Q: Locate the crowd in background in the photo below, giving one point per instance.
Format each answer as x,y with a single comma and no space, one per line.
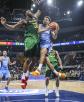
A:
73,66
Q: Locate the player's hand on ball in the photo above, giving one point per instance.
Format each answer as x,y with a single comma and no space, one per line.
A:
53,26
3,20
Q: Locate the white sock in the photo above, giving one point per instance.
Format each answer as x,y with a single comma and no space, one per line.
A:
27,74
46,89
57,92
54,71
57,89
39,67
23,75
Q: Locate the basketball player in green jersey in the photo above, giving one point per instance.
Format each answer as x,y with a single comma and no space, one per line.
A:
54,58
31,37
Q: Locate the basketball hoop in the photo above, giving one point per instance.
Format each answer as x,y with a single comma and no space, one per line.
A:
36,1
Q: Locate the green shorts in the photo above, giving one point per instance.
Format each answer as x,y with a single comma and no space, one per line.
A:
50,74
30,42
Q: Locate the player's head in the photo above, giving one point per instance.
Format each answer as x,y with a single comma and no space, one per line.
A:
29,13
4,53
46,20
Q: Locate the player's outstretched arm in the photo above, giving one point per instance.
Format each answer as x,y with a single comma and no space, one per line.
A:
11,27
12,63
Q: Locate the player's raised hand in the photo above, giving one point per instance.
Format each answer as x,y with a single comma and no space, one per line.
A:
14,62
3,20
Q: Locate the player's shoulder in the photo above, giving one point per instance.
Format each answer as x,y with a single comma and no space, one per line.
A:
56,51
1,57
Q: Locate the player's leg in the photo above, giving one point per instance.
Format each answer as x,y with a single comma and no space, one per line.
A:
47,78
57,87
46,86
26,69
8,78
28,54
43,53
51,66
1,75
31,44
25,74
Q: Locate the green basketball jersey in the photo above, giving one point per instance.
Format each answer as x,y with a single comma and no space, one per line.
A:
31,29
53,59
31,35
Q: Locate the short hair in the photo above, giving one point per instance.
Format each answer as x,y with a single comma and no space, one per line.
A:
4,50
48,18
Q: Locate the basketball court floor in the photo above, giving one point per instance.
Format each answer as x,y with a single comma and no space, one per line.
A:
70,91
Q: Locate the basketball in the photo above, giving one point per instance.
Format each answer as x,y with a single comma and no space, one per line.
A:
62,75
53,25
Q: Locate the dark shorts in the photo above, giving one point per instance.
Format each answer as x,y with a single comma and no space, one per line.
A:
34,52
50,74
30,42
